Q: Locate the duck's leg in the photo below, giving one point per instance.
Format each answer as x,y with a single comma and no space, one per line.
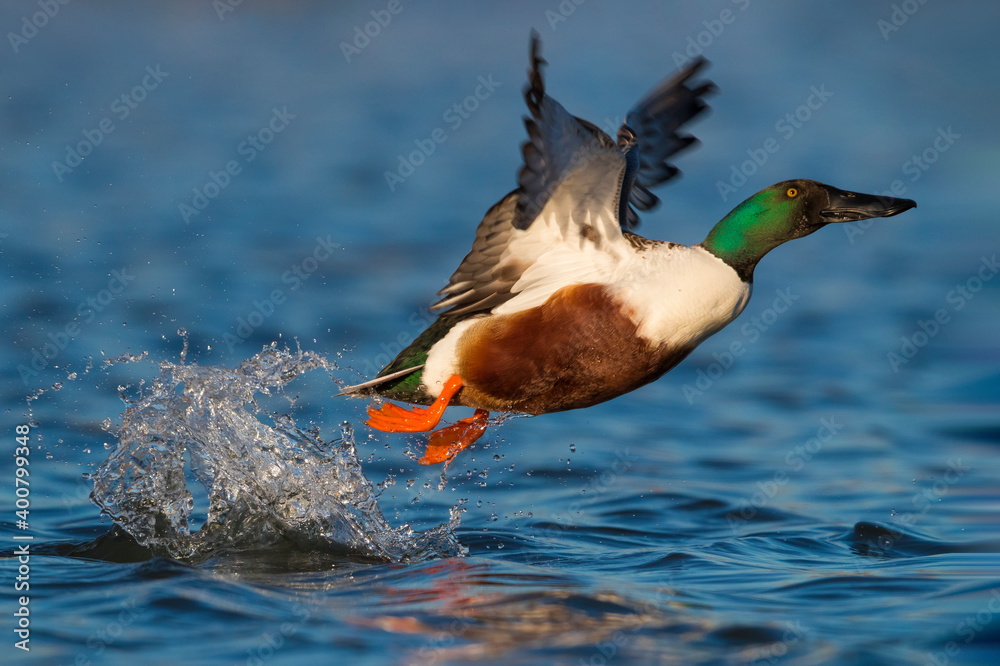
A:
446,443
391,418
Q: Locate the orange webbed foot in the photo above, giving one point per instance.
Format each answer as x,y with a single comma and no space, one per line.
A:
392,418
446,443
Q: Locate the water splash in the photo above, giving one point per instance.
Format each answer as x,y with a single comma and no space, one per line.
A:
260,483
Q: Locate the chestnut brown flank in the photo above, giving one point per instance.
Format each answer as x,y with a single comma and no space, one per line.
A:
575,350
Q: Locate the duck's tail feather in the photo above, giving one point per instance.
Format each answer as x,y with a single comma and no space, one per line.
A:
358,388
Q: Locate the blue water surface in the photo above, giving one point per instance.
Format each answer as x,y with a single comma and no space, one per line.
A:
186,184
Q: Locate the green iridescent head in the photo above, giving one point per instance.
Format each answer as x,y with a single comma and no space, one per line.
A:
788,210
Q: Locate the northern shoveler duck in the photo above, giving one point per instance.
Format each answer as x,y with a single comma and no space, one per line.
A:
559,305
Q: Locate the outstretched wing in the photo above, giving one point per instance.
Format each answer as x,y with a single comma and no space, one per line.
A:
566,209
563,154
484,278
656,121
578,189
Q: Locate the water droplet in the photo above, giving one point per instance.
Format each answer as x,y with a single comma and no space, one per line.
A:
572,448
479,503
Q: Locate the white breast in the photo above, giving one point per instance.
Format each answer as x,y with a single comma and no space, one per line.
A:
681,295
678,295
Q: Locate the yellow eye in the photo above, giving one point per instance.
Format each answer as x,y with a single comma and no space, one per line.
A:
792,192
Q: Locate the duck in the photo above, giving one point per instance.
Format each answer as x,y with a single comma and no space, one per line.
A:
559,304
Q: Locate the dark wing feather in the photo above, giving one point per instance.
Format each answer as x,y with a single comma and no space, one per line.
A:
567,160
480,283
656,121
559,146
